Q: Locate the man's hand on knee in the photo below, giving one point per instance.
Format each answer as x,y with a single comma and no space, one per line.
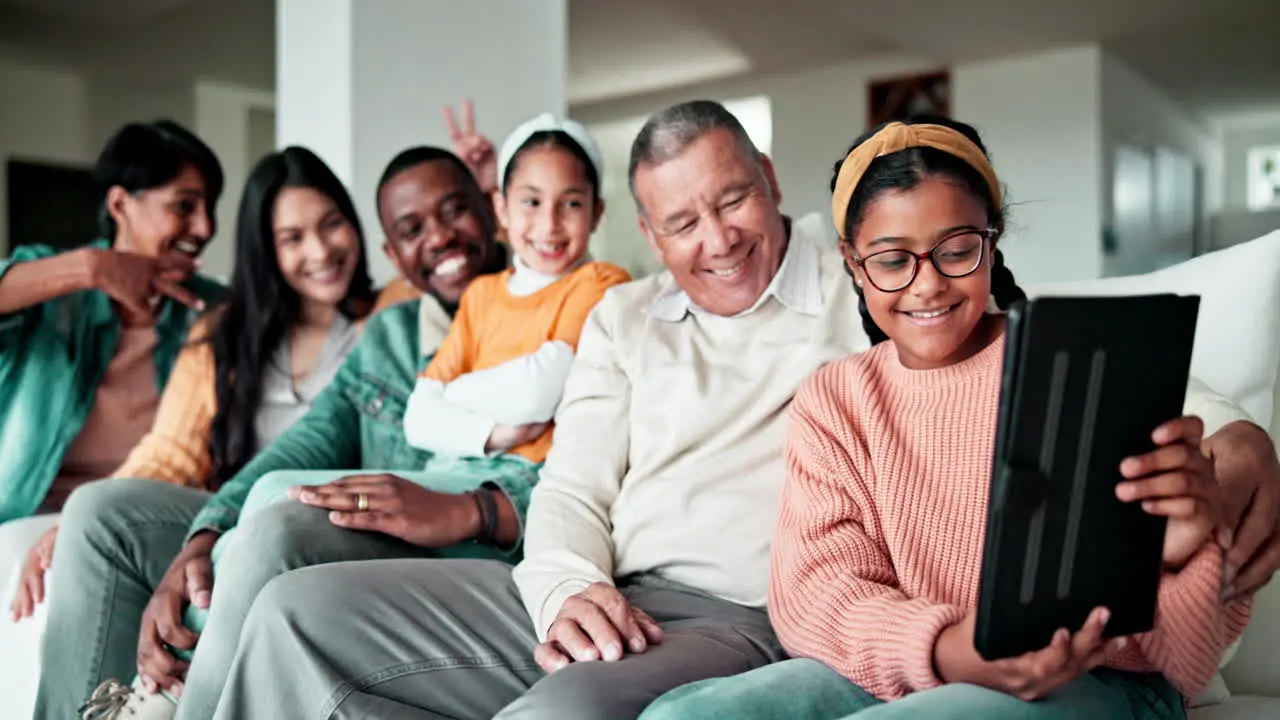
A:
597,623
188,579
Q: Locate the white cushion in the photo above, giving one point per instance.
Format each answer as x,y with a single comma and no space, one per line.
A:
1239,708
1216,692
1254,670
1237,349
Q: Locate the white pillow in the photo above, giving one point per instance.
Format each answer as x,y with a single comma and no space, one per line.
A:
1237,349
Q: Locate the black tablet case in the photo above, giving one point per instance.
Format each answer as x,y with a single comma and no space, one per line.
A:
1085,382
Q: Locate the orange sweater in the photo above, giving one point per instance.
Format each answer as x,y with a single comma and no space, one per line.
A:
493,326
879,540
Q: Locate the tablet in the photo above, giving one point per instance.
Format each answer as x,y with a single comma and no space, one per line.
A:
1085,382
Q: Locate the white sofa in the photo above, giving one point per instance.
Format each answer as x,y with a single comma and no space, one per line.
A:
1238,354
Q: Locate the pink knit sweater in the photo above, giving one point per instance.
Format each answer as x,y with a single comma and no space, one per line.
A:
879,540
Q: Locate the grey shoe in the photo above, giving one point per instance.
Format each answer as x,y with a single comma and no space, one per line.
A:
114,701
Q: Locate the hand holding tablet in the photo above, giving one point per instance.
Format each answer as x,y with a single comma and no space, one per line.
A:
1090,388
1032,675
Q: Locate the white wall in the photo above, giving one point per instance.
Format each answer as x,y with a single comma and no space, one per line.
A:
43,116
1140,117
222,120
817,114
115,100
1236,143
58,115
1051,120
1236,223
359,82
1040,117
321,31
521,72
1138,113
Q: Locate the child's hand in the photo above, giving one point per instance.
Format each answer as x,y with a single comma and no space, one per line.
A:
1030,676
505,437
473,148
31,586
1176,480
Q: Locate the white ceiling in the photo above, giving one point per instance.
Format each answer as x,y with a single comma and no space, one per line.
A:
1217,56
1220,57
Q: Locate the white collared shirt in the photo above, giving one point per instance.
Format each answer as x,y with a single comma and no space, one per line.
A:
797,284
525,281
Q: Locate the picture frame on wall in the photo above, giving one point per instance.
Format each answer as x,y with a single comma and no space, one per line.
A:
900,97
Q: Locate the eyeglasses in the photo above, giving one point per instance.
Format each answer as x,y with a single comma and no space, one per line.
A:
954,256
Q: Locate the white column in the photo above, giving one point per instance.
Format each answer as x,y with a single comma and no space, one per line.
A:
359,81
1040,116
222,120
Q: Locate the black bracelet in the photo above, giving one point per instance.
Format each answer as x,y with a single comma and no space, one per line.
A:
488,508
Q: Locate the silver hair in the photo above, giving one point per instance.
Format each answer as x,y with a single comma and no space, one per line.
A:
666,134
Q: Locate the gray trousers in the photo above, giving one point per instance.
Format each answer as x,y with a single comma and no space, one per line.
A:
399,639
117,538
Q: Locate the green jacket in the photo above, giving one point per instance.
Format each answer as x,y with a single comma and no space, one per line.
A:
357,422
52,357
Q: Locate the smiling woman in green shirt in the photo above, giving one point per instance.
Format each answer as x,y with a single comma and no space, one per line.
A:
88,336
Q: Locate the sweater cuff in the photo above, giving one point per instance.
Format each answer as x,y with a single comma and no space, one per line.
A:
917,639
1190,635
553,602
1186,594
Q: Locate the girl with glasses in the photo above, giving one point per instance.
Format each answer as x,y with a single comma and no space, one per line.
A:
878,549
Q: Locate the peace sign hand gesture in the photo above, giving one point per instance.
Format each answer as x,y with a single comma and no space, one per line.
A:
475,149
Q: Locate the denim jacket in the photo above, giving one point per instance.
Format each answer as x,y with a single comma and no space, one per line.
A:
357,422
52,357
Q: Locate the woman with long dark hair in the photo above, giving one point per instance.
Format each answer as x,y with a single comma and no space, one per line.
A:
300,287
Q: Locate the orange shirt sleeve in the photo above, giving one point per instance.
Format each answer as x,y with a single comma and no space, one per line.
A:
584,298
176,449
456,356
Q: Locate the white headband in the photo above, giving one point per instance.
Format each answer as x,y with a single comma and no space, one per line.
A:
547,122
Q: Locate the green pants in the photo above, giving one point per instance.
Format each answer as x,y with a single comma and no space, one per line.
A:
809,690
432,639
273,488
118,537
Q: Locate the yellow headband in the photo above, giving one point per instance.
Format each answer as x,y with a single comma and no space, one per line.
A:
896,137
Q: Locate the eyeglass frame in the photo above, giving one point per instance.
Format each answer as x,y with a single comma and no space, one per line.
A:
987,236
